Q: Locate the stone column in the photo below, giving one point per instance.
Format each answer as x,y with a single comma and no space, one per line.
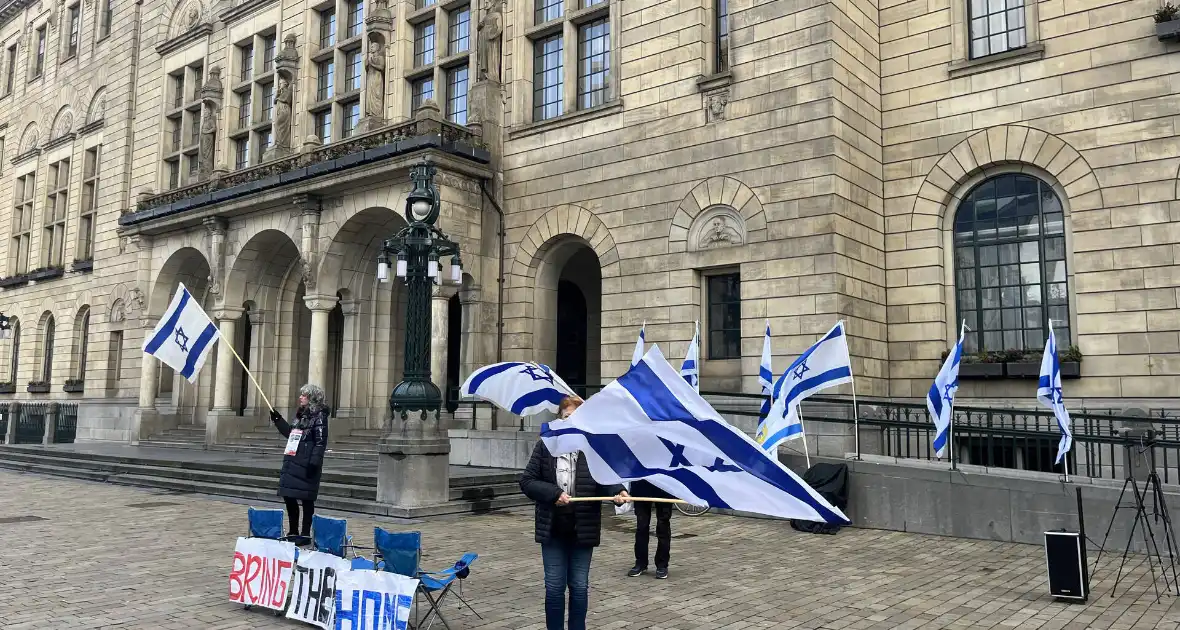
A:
317,363
257,319
350,356
223,388
146,419
439,309
50,428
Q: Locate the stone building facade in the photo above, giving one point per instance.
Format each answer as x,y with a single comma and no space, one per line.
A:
901,166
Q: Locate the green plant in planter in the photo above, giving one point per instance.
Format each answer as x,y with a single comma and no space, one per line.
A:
1072,354
1166,13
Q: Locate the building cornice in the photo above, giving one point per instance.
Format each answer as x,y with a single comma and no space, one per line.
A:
12,8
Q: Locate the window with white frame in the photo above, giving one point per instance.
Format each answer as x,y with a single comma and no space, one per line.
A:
57,203
88,208
182,128
457,95
459,30
442,54
548,80
579,39
74,30
335,111
255,92
39,58
22,223
995,26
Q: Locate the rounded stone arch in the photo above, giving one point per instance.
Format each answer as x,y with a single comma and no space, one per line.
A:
45,344
563,221
119,305
723,200
96,111
258,269
179,17
186,265
350,259
30,139
1011,146
63,122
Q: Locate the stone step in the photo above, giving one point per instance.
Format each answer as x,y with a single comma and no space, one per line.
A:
173,443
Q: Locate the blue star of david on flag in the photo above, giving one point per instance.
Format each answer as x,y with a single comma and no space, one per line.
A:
801,370
181,339
517,387
538,372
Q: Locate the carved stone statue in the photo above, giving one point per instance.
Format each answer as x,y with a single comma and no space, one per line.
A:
283,102
375,79
488,37
211,94
720,233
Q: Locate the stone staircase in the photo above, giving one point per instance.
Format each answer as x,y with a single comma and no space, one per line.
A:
347,485
265,440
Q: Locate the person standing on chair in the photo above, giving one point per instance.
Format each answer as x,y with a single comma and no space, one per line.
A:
303,461
567,532
643,510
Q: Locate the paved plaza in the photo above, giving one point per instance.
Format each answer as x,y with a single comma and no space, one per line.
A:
107,556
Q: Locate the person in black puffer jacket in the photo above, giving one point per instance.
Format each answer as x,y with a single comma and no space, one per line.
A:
299,479
567,532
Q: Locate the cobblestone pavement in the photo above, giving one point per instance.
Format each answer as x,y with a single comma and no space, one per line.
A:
115,557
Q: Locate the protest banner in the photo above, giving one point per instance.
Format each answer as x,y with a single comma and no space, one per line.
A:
313,588
373,600
261,572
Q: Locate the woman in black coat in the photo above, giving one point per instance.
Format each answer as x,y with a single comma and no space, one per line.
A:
568,532
307,439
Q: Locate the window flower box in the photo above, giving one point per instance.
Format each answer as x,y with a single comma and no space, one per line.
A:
74,386
981,370
1167,24
7,388
83,265
38,387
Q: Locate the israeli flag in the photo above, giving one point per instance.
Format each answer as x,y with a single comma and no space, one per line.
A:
650,424
185,335
765,375
637,355
1049,393
940,401
517,387
825,364
690,370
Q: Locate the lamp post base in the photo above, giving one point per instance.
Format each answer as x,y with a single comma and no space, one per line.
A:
413,471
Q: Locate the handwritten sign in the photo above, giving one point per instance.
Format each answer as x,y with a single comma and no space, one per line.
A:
313,587
261,572
373,600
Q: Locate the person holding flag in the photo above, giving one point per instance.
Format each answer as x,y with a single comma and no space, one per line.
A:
940,400
1049,394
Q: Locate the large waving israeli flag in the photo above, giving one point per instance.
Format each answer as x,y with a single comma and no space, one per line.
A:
823,365
1049,393
940,400
650,424
637,354
690,370
184,336
517,387
765,375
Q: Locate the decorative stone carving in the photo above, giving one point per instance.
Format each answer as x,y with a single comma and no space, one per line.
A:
715,103
211,94
719,226
488,39
118,312
63,124
29,140
216,227
375,78
458,183
136,300
98,106
192,16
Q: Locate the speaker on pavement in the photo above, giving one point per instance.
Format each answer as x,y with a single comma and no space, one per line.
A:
1065,556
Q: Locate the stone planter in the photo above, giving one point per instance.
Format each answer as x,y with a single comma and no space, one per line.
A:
1022,370
1167,31
74,386
981,370
38,387
1071,369
7,388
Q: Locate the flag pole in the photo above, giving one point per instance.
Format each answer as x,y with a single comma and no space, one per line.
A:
803,432
630,499
248,373
950,427
855,407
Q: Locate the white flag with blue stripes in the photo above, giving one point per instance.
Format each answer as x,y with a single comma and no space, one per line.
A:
690,370
185,335
765,375
940,400
825,364
517,387
650,424
637,354
1049,393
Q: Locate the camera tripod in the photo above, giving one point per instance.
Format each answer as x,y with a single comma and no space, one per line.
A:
1159,513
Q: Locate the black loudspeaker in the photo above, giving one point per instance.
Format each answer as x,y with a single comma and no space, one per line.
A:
1065,555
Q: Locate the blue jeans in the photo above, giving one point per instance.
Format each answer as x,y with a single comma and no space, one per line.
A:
566,565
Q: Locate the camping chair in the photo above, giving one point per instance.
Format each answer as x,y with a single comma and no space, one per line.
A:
330,535
401,552
266,523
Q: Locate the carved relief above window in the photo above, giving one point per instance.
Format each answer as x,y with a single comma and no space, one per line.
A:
719,226
717,213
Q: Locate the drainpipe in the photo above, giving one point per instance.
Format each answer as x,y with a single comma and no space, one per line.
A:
499,288
129,137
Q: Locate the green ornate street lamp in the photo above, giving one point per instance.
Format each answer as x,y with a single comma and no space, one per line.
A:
416,250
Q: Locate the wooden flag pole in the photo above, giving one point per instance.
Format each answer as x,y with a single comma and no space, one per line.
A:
248,373
649,499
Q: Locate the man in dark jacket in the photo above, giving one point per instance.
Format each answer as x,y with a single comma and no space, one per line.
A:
567,531
643,510
307,440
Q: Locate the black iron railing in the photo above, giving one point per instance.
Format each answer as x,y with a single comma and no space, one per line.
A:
30,423
66,428
4,413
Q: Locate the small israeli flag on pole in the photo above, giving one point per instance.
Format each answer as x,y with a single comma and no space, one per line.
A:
940,400
637,355
765,375
185,335
1049,394
691,368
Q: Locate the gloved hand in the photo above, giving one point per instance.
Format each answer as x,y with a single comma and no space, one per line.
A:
275,416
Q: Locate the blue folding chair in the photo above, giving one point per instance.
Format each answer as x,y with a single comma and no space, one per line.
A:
330,535
401,553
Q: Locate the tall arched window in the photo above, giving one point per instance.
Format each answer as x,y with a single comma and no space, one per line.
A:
15,363
47,356
1010,265
83,343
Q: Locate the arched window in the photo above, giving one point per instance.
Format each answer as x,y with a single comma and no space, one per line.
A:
15,362
1010,265
47,355
83,343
